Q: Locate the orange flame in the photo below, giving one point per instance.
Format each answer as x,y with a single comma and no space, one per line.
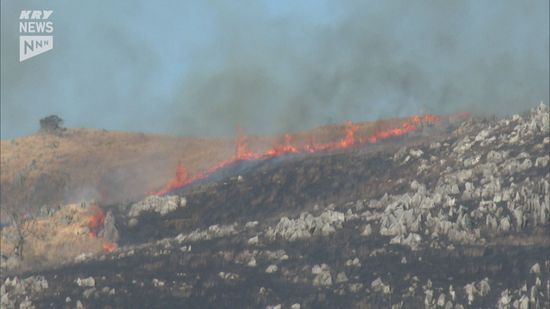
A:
310,147
408,126
95,221
108,247
179,180
348,139
281,149
244,153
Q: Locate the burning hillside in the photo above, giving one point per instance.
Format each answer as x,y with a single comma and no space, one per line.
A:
275,154
46,170
286,146
447,212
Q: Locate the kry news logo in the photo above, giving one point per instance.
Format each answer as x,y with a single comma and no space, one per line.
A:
33,25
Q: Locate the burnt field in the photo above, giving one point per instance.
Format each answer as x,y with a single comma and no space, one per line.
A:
268,189
453,217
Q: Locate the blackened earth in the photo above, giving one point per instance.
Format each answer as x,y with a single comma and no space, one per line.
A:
433,219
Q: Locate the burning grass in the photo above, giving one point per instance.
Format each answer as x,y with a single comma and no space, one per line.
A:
67,233
349,139
95,222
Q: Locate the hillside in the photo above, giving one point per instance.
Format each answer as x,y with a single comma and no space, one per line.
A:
112,167
47,169
453,216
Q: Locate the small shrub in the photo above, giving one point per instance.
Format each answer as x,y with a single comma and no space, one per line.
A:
52,124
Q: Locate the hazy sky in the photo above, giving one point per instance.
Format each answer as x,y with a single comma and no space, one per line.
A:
203,67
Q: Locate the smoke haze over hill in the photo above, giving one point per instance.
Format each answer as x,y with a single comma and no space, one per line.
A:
202,68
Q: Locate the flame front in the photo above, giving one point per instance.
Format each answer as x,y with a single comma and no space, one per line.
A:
281,149
108,247
95,222
244,153
178,181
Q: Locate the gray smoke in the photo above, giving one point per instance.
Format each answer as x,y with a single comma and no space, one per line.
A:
286,67
372,61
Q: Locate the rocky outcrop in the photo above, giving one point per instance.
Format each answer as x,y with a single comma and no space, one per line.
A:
159,204
307,226
109,230
457,222
16,291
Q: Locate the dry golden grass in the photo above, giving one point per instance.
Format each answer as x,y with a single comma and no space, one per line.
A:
106,165
112,167
50,240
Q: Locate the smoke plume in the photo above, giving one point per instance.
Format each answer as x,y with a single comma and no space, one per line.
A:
203,68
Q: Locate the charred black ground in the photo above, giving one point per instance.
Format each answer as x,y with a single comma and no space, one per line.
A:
263,190
433,219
